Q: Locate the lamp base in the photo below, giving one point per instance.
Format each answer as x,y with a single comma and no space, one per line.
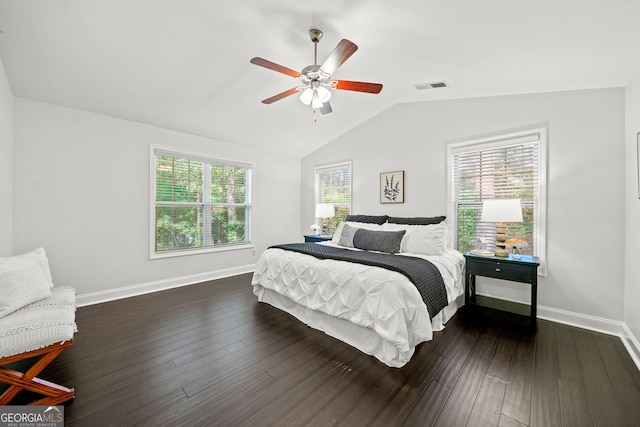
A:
325,225
501,252
501,240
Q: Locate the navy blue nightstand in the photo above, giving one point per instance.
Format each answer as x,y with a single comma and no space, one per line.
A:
317,238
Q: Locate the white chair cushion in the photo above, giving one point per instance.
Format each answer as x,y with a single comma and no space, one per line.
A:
39,324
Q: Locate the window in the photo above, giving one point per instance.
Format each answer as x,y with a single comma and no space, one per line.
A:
507,167
333,185
198,204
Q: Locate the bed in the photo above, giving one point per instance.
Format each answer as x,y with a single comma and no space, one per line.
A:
381,310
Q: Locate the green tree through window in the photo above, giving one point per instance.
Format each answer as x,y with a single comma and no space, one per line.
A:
200,203
333,185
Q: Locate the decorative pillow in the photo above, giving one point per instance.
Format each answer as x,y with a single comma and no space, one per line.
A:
421,220
365,225
346,236
422,239
37,255
22,282
373,219
382,241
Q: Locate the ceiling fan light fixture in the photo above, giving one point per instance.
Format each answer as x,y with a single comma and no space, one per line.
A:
323,93
316,102
306,96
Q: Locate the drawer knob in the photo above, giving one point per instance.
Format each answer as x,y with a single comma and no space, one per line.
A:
498,270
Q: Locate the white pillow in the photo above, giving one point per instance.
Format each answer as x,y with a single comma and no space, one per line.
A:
21,282
422,239
338,232
37,255
365,225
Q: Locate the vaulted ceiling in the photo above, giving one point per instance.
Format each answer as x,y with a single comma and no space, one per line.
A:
184,64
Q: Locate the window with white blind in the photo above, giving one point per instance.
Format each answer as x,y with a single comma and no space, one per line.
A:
507,167
333,185
198,204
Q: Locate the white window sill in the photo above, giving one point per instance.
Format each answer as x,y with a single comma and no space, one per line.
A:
185,252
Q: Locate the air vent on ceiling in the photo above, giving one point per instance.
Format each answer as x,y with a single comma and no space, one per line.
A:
430,85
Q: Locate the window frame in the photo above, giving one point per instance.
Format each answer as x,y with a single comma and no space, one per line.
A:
179,153
316,194
498,141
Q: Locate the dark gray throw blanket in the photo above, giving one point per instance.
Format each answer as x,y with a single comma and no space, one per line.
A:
423,274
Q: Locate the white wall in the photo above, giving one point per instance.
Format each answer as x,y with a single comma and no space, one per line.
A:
6,169
586,146
81,190
632,210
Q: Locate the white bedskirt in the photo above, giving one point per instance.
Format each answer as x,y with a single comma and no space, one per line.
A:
378,311
364,339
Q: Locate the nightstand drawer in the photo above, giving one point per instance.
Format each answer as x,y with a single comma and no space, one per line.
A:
500,270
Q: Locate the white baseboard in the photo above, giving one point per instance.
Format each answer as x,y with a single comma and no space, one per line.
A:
160,285
584,321
632,345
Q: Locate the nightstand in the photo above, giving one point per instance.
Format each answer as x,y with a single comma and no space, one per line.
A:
523,270
317,237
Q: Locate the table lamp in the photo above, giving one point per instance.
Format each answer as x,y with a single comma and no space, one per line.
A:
325,211
501,211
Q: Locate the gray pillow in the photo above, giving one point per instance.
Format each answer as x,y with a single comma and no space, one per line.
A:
382,241
422,220
371,219
346,236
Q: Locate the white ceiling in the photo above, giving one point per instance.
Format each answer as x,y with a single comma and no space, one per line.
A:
184,64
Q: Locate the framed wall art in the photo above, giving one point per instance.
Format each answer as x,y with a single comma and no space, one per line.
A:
392,187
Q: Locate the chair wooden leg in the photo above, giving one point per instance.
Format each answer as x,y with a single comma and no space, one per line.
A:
19,381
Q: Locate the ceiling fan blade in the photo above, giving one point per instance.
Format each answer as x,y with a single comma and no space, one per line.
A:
279,96
356,86
275,67
326,108
338,55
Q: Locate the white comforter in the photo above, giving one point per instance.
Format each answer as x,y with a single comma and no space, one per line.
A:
371,297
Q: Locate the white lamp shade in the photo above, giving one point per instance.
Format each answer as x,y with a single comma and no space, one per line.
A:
316,102
323,93
306,95
325,210
501,210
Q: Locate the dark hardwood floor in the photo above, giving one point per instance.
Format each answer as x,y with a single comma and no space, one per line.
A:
210,354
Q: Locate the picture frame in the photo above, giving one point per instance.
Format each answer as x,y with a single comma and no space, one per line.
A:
392,187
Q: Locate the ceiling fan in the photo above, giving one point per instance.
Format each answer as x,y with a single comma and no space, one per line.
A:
316,79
